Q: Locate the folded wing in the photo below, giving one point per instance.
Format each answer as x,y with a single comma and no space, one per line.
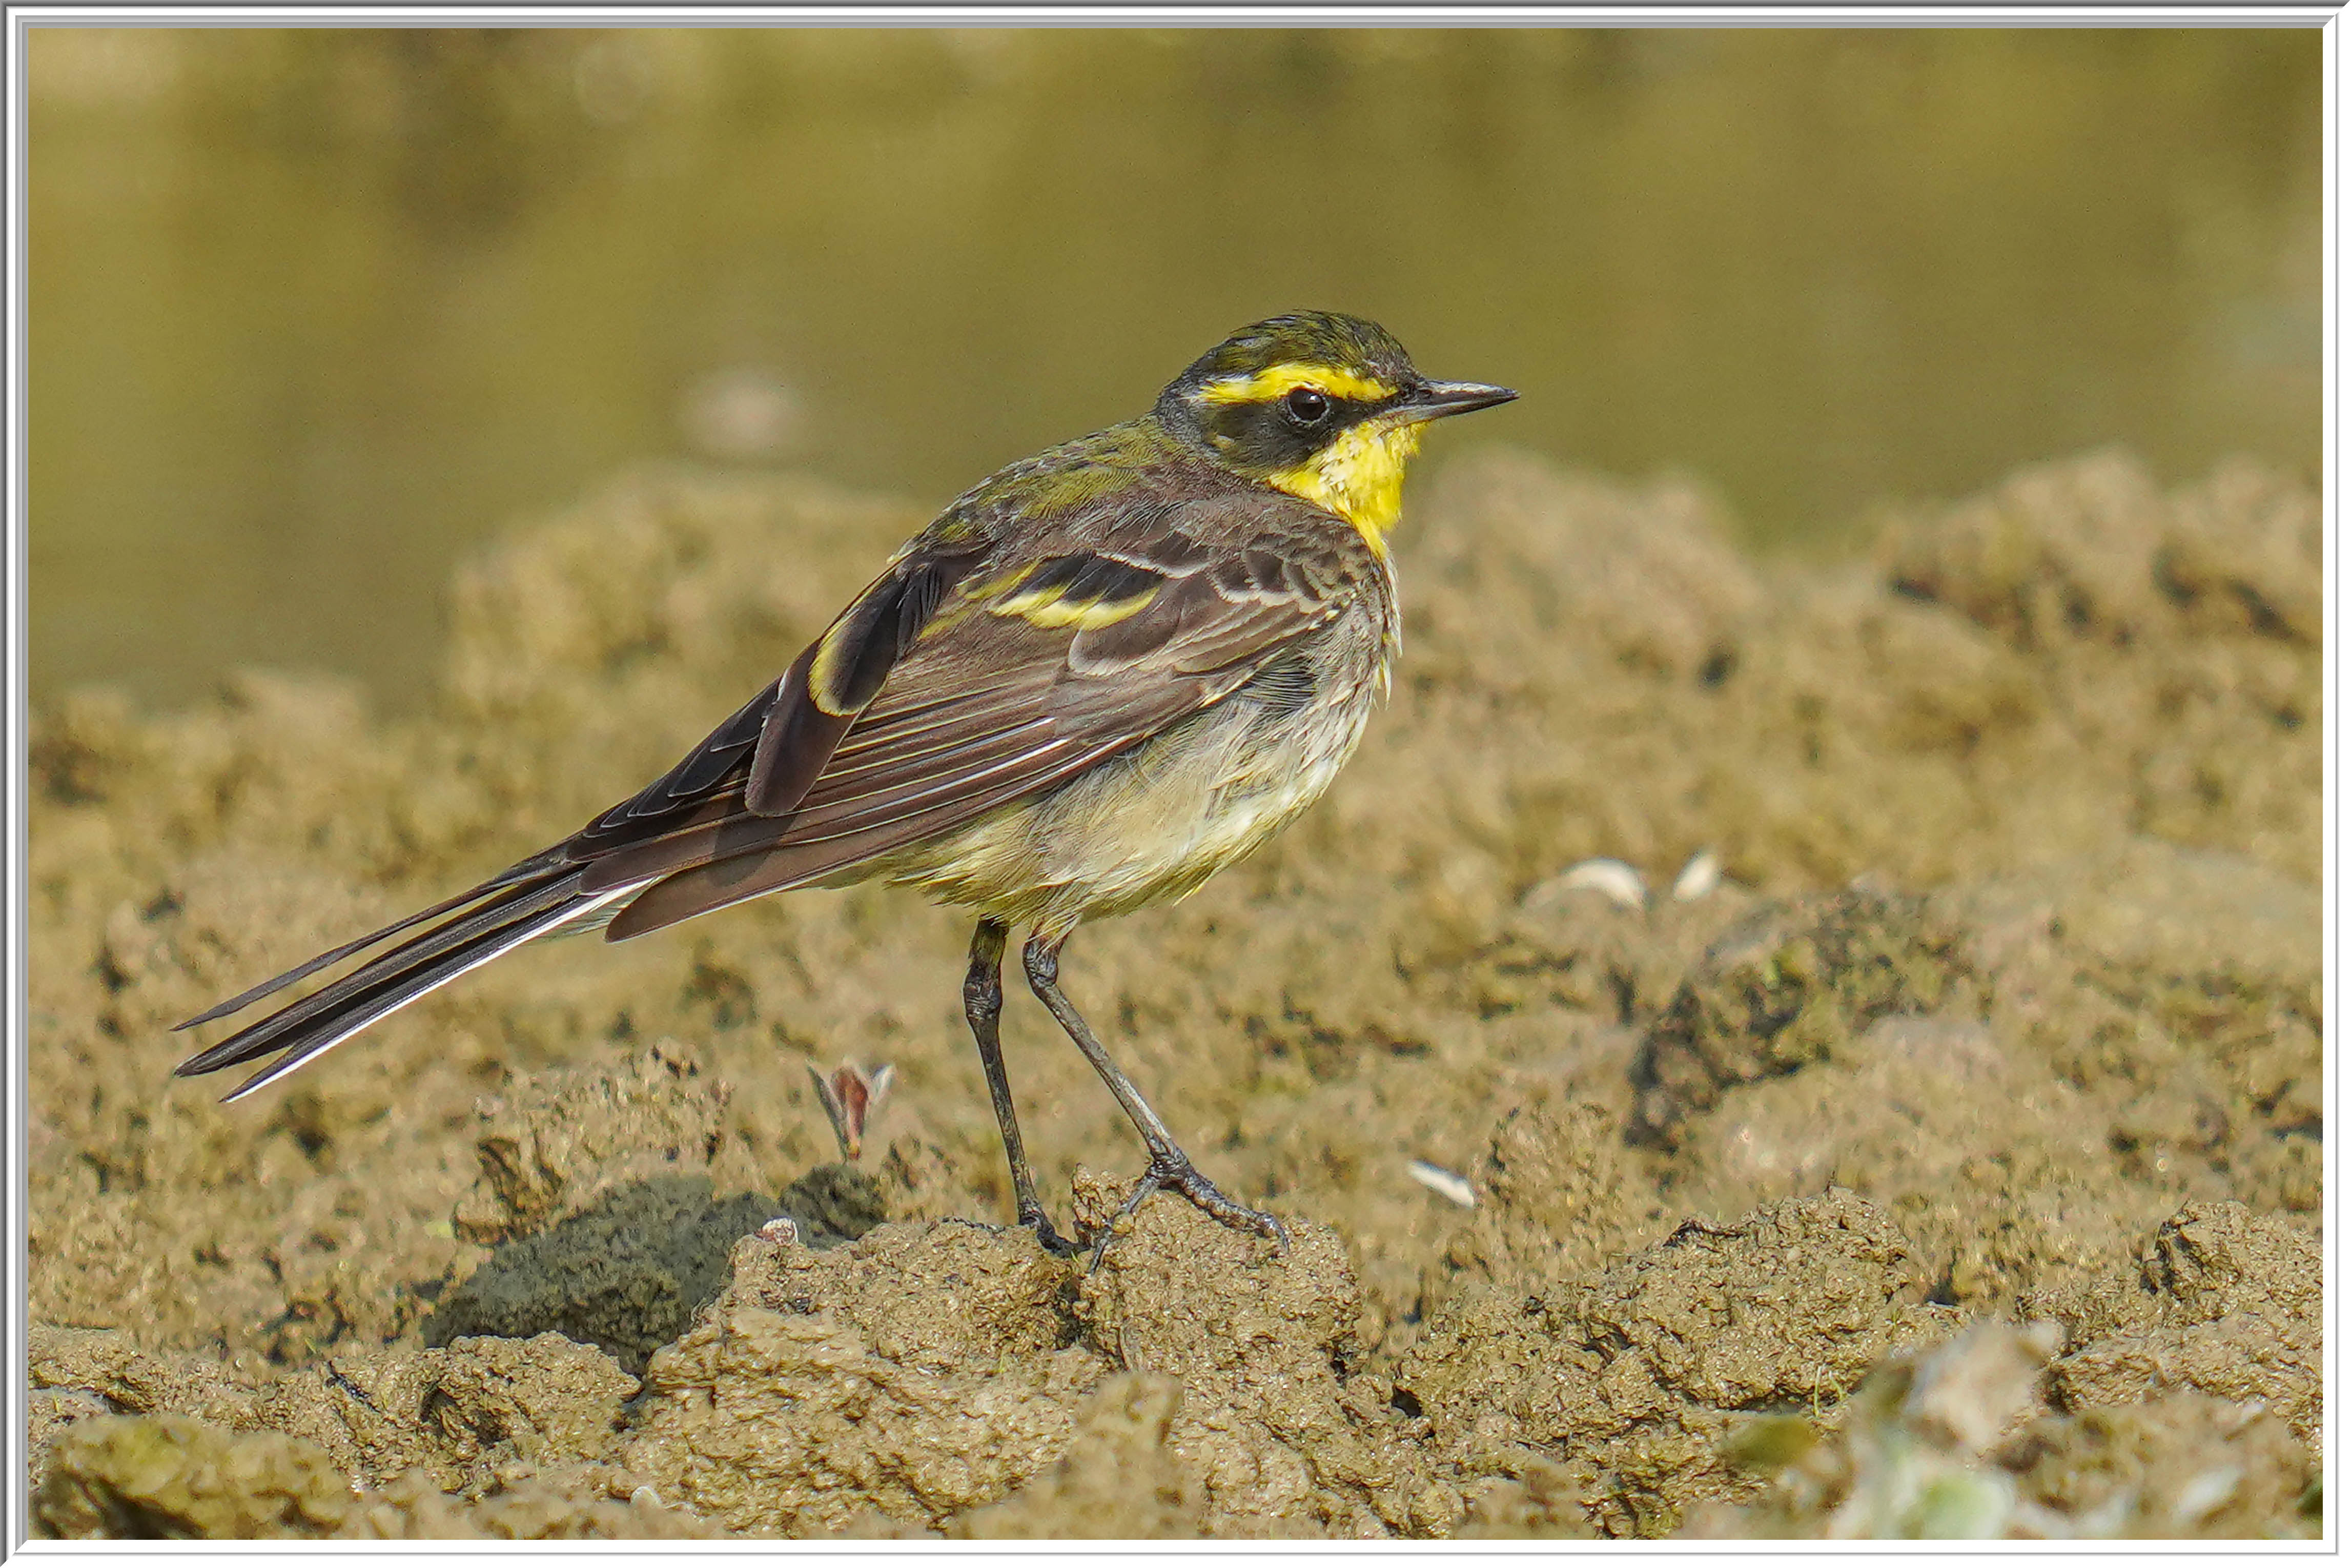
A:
1018,686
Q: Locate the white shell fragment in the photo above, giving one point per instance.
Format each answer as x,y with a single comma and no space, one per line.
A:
1443,1183
2201,1495
1612,878
1700,877
782,1230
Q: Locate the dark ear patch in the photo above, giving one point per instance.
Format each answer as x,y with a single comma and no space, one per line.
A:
1262,437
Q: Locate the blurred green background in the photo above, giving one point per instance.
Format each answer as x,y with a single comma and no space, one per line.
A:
314,312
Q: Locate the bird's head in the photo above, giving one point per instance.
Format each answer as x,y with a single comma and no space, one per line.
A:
1327,407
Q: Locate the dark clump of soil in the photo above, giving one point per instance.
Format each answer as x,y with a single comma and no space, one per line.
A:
624,1276
1788,988
1919,1132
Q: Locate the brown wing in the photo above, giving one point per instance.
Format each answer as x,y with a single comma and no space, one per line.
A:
1023,680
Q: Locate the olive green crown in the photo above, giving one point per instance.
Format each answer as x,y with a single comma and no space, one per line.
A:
1301,337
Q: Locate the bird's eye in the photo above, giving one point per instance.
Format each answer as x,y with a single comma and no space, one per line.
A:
1307,406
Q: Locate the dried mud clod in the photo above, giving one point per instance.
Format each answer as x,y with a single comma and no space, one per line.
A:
1120,1479
1631,1378
1957,1443
494,1438
2180,1464
2180,989
2180,1401
168,1476
1288,1435
144,1477
2226,1302
1561,1195
552,1147
467,1416
597,1189
890,1384
1789,986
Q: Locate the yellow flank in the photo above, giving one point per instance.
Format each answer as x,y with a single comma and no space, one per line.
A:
1360,475
1265,385
1048,609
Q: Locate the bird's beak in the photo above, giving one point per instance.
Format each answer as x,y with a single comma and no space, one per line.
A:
1435,400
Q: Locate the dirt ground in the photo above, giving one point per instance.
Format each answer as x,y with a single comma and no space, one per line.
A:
1949,1165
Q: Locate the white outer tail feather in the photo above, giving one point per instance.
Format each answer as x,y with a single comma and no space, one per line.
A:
555,924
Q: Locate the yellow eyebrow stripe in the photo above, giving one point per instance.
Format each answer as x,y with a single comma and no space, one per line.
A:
1265,385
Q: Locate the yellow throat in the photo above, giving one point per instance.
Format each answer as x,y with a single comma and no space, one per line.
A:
1360,477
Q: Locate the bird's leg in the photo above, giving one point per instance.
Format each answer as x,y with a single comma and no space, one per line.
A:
983,1003
1170,1167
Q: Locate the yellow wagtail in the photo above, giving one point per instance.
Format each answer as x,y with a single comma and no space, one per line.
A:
1102,674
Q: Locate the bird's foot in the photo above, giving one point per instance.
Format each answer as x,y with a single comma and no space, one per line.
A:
1175,1173
1050,1239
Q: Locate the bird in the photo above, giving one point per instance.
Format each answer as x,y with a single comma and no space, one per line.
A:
1097,677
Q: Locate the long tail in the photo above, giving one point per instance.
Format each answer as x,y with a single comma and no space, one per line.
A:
534,899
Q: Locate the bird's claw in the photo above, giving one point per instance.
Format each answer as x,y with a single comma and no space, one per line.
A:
1050,1239
1178,1174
